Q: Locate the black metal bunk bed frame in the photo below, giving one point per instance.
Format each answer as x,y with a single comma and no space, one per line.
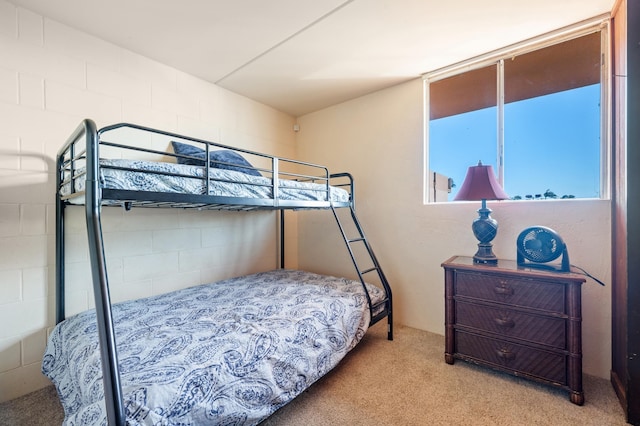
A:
83,146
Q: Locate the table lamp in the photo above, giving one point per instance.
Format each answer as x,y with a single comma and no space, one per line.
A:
481,184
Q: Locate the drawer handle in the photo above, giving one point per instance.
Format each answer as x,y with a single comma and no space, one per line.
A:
504,290
506,354
504,322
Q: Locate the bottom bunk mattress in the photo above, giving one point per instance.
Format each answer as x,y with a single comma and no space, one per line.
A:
230,352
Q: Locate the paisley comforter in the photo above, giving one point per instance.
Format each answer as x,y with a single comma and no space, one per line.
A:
180,178
230,353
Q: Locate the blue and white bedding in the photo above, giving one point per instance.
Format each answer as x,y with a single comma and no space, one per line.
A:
186,179
230,353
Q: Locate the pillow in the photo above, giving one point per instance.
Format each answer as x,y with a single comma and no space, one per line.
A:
223,155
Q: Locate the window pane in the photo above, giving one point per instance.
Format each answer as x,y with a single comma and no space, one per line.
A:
457,142
462,128
552,120
551,125
552,143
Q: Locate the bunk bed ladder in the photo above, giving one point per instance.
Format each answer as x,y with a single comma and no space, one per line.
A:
374,268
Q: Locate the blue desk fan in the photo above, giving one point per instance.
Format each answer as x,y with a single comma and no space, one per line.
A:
538,246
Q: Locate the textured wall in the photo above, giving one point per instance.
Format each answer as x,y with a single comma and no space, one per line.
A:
378,138
51,77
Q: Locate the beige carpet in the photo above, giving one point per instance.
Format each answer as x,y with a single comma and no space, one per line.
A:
403,382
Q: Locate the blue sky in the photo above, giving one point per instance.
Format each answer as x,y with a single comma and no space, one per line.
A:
551,142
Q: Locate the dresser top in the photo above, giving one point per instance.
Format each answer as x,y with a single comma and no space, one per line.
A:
511,267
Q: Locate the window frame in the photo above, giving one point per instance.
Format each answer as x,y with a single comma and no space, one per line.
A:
597,24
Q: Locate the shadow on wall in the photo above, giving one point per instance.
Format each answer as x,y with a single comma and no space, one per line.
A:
27,194
26,178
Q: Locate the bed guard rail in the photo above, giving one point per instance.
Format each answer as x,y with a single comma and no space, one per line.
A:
280,173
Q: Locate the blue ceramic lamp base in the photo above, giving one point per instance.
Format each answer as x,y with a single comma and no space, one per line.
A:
485,228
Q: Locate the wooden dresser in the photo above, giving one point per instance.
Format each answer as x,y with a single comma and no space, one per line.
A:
524,321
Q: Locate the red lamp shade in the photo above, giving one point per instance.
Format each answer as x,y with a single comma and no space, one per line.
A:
480,184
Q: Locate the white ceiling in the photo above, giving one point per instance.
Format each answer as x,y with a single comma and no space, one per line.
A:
303,55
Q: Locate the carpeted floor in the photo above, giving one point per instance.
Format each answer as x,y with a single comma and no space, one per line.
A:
403,382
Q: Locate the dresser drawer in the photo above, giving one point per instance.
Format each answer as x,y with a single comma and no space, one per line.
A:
514,291
509,356
512,323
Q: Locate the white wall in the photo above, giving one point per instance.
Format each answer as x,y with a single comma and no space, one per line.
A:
378,138
52,77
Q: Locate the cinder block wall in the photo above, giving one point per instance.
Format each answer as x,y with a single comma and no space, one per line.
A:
52,77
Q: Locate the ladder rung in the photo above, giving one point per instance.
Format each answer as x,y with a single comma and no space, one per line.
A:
382,302
356,240
369,270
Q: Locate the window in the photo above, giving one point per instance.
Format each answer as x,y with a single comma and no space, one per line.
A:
534,113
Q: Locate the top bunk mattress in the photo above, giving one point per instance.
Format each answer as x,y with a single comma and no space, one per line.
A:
173,178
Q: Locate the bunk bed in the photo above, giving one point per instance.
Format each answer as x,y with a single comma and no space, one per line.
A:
230,352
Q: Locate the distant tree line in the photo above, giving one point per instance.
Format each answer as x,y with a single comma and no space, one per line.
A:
546,195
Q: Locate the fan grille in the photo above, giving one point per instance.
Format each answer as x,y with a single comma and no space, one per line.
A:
540,244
